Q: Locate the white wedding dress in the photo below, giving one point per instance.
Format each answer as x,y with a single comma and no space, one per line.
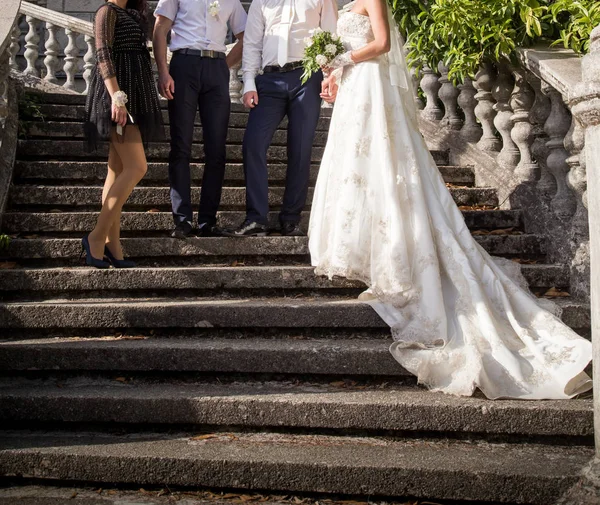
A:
382,214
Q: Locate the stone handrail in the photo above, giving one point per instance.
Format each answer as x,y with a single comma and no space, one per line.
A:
8,102
41,20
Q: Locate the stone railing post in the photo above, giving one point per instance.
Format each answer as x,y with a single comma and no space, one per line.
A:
484,81
430,84
471,130
557,126
502,93
448,94
585,106
521,102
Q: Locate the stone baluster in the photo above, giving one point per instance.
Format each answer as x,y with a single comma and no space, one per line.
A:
538,115
430,85
71,56
415,82
471,130
557,126
88,61
235,84
502,92
448,94
577,178
51,60
484,81
32,40
521,102
15,45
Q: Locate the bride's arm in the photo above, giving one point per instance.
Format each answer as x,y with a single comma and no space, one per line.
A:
377,10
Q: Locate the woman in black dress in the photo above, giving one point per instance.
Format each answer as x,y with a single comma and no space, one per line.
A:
122,107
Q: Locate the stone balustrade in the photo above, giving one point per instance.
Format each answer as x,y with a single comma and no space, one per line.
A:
8,102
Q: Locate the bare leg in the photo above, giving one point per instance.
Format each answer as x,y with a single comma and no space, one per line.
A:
133,158
115,168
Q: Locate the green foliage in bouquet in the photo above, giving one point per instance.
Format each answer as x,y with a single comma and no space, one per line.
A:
575,21
320,50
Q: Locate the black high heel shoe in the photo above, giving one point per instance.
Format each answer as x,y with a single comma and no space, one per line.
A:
89,259
118,263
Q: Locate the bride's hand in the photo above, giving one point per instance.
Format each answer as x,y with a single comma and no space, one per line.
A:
329,89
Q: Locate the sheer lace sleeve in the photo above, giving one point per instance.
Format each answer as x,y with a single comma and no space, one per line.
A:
106,20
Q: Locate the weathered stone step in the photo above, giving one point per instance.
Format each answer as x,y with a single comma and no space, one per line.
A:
74,196
25,222
318,312
95,172
301,463
73,150
285,354
71,130
362,406
237,119
208,278
160,248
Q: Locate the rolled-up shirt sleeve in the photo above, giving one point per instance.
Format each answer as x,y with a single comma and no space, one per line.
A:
238,18
329,16
167,8
253,45
104,29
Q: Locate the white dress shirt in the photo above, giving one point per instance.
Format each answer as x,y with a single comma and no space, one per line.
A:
195,28
262,35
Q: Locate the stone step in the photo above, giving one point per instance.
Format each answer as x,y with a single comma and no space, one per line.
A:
435,469
159,197
237,119
255,312
71,130
26,222
223,352
208,278
73,150
340,405
95,172
154,251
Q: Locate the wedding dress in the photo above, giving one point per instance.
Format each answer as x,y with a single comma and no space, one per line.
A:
382,214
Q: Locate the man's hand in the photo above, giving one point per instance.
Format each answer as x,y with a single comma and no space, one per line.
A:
329,89
250,99
166,85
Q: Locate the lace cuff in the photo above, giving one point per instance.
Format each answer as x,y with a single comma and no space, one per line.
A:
342,60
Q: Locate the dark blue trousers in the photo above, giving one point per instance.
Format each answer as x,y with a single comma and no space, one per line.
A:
280,95
201,84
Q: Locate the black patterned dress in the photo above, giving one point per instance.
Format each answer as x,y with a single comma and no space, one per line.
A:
122,52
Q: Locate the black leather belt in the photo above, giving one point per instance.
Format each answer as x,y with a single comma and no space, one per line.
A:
288,67
216,55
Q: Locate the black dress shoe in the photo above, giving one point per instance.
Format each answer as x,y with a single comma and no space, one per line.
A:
289,229
183,230
210,230
248,229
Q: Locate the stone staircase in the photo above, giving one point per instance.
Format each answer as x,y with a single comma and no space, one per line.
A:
226,363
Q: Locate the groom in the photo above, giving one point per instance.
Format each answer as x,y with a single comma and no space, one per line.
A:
274,43
197,80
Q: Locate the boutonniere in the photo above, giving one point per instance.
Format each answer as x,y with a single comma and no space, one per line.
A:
214,8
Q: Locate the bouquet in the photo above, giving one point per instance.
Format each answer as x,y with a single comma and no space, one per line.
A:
321,48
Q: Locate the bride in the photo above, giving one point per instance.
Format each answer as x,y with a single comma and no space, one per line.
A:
382,214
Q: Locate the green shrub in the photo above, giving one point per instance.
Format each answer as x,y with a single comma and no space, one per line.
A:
575,21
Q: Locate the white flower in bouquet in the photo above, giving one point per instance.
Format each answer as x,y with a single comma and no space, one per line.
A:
321,59
316,31
331,49
214,8
308,41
